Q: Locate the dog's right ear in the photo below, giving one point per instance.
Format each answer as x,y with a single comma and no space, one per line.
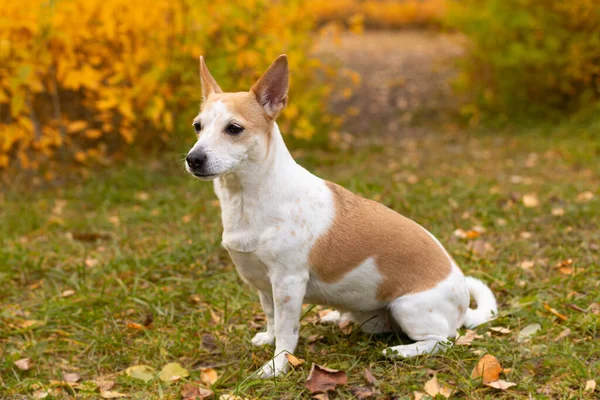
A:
271,90
209,85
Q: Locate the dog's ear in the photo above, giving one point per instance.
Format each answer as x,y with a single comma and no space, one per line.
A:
271,89
209,85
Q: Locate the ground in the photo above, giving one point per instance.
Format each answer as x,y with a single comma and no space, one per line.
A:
127,269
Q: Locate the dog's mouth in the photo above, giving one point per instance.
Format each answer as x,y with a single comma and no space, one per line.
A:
204,176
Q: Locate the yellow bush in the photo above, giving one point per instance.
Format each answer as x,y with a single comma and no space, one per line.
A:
83,79
388,14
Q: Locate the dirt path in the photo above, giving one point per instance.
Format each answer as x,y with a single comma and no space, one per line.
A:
405,79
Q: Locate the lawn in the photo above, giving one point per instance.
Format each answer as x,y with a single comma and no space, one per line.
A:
127,269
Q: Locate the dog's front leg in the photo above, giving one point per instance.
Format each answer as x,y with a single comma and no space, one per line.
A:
288,294
268,337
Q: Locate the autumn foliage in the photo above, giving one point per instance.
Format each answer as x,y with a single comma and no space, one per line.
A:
382,14
82,80
533,57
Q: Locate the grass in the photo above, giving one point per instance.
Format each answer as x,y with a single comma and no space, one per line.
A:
141,243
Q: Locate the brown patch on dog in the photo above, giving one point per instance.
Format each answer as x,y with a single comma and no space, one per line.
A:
407,257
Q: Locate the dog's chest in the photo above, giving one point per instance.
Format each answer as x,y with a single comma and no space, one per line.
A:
251,269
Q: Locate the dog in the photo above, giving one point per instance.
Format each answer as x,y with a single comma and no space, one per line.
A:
297,238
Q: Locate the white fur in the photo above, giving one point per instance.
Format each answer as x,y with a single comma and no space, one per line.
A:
273,211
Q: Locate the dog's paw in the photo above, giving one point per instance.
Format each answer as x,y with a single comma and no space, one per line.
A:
276,367
263,338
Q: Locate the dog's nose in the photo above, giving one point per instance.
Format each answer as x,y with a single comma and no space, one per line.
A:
196,160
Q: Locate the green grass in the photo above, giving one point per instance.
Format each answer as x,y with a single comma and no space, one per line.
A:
162,258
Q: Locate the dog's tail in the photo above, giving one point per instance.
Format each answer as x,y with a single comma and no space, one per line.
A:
487,308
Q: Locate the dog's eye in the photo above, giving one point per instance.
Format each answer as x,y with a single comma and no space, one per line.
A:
234,129
197,127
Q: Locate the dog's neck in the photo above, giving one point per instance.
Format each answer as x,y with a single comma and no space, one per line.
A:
246,196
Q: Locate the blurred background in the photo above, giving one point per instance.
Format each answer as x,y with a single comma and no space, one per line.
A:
83,82
479,119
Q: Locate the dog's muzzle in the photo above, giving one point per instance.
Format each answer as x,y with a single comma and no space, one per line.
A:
196,161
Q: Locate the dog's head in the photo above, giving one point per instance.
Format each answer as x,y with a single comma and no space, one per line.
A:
234,128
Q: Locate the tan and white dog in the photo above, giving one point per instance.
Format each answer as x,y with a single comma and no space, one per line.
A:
298,239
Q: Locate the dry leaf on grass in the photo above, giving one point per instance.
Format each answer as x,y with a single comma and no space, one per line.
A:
500,329
142,372
527,332
500,384
362,392
585,197
531,200
488,368
107,394
526,264
433,388
314,338
104,385
173,372
419,395
563,334
553,311
136,327
558,212
68,293
369,377
346,327
24,364
295,361
71,378
467,338
193,391
322,379
208,376
590,386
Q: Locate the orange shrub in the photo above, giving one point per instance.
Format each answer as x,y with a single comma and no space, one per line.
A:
85,79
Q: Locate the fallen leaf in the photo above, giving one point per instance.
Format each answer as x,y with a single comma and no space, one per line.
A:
362,392
526,265
208,376
369,377
137,327
173,372
24,364
488,368
215,317
196,298
479,247
500,384
322,379
41,394
526,235
193,391
346,327
433,388
553,311
531,200
71,377
590,386
104,385
314,338
107,394
528,331
142,196
467,338
142,372
558,212
500,329
294,360
68,293
459,233
419,395
563,334
89,236
321,396
585,197
90,262
594,308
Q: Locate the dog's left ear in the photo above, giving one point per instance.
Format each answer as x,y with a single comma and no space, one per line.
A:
209,84
271,90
